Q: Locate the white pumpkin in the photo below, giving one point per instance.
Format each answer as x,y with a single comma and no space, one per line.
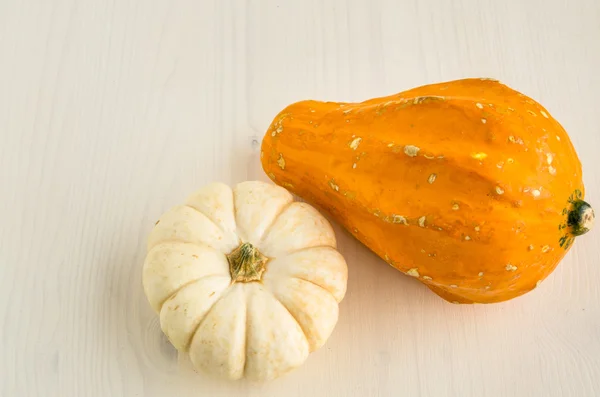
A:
246,280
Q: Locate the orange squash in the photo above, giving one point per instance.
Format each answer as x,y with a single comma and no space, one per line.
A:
469,186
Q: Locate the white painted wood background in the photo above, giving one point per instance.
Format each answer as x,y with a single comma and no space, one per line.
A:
113,111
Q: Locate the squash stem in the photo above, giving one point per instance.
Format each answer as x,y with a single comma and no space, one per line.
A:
246,263
581,218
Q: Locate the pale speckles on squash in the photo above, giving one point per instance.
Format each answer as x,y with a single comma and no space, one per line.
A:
350,195
487,287
271,175
455,207
479,105
347,111
403,104
361,155
558,138
391,144
552,170
426,278
509,160
414,272
288,185
484,121
546,249
355,230
480,274
477,228
515,140
537,283
535,193
333,185
499,190
281,161
453,286
399,219
277,131
422,221
278,125
431,178
531,112
479,156
510,268
354,143
544,114
467,238
549,158
411,150
530,248
429,98
429,157
354,166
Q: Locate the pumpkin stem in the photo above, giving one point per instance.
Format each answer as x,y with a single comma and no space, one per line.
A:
246,263
581,218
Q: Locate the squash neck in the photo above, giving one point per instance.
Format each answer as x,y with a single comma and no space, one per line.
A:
246,264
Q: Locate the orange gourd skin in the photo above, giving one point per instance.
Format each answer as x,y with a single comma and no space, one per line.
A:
465,185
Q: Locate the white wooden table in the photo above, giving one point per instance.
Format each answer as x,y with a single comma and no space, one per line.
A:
112,111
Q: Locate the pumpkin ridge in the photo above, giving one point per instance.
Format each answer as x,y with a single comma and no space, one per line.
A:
173,233
246,327
196,326
362,203
313,283
274,221
279,270
209,311
214,222
184,285
147,267
290,276
268,290
194,243
292,252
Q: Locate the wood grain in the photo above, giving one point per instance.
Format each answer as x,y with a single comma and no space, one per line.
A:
112,111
